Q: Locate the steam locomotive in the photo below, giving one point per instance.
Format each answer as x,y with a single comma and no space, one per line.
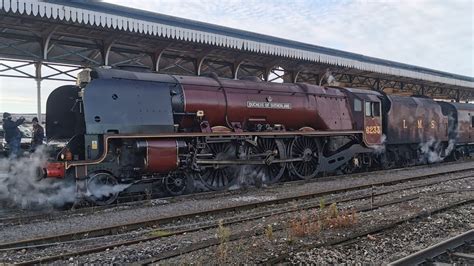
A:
154,130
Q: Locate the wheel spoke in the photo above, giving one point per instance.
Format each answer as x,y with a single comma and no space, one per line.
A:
95,185
220,176
226,180
178,183
220,180
306,149
274,171
213,175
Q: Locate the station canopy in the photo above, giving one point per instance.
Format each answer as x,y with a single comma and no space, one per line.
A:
71,35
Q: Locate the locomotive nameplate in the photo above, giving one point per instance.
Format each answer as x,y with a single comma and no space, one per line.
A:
268,105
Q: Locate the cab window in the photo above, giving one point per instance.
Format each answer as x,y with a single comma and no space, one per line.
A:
357,105
376,109
372,109
368,109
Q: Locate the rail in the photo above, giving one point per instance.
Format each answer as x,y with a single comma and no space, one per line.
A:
432,252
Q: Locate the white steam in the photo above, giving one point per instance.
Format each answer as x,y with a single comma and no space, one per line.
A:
250,176
99,191
433,151
20,187
450,147
380,148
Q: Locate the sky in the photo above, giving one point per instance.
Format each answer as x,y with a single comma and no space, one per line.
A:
437,34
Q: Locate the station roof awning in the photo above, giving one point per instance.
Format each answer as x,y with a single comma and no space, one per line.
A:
94,33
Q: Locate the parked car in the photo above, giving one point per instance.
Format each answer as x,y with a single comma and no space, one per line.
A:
25,140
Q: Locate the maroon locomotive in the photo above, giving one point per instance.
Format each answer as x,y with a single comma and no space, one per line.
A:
155,130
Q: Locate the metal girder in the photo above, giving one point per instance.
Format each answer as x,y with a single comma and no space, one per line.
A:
38,71
177,65
278,74
200,57
156,55
246,70
12,46
61,71
50,71
401,87
16,71
220,68
106,48
308,77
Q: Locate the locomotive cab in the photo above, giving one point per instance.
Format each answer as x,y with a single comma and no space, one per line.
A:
367,114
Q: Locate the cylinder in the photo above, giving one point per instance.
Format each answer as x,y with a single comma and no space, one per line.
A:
54,170
161,155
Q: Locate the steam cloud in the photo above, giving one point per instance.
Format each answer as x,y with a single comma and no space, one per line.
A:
99,191
432,152
380,148
20,187
250,176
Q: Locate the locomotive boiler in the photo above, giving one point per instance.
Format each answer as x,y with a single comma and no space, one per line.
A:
153,131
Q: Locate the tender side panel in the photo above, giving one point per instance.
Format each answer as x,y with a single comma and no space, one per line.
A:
415,120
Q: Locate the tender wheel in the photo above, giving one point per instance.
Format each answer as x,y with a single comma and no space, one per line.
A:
457,155
308,150
348,168
102,188
269,150
178,183
217,176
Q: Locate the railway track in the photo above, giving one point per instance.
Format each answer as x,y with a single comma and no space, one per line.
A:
244,206
56,214
201,245
281,258
450,250
77,236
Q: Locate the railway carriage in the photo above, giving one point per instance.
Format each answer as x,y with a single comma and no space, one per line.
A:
461,128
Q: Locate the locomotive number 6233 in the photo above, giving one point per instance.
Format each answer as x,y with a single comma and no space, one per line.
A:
373,130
